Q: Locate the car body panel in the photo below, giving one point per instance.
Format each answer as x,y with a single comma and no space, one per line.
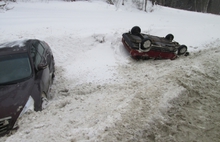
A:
13,98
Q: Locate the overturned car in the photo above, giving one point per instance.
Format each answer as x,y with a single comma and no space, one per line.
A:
145,46
26,74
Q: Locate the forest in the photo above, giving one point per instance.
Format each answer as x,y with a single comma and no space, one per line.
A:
205,6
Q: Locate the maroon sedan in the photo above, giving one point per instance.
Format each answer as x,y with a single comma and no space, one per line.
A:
145,46
26,74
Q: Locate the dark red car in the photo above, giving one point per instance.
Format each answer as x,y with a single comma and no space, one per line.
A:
26,74
145,46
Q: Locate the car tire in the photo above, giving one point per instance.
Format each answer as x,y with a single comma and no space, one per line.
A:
53,74
44,101
146,44
136,30
53,68
169,37
186,54
182,50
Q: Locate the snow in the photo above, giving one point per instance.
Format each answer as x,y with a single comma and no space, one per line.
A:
19,43
100,93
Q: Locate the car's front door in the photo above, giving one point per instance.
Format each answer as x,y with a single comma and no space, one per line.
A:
41,66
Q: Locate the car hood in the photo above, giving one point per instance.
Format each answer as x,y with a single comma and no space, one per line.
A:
13,99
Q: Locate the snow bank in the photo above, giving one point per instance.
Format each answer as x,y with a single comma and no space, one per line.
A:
101,94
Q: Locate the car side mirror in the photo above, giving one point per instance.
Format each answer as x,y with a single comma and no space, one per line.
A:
42,66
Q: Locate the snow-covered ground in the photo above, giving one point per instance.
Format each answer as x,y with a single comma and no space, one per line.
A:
100,93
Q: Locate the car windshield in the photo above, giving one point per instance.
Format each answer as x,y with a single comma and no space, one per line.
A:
14,68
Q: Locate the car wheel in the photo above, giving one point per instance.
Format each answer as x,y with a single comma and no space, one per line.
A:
182,50
53,68
44,101
169,37
146,44
186,54
136,30
53,74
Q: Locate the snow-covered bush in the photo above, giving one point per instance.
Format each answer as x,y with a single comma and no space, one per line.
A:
4,5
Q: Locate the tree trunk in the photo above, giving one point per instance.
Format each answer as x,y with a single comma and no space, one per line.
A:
205,5
195,3
154,2
110,2
145,5
160,2
173,3
214,7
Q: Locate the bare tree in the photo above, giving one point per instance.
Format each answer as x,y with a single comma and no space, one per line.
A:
153,2
110,2
162,2
173,3
145,5
195,3
205,5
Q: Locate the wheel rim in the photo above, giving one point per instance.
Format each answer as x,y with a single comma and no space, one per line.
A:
147,44
183,50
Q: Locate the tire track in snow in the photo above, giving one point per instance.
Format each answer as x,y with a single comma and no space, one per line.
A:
179,103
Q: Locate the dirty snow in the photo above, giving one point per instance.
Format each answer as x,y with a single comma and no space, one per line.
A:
100,93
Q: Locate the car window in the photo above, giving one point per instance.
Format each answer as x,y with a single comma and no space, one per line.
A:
40,49
47,52
38,55
33,53
16,67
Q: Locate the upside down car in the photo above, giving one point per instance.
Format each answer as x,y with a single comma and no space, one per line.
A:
145,46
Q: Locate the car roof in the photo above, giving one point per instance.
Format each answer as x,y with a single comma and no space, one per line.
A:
18,46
